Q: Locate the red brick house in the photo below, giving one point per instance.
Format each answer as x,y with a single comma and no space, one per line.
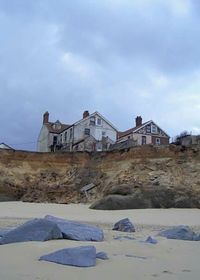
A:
144,133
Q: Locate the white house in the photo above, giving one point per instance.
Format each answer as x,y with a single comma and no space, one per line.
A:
93,133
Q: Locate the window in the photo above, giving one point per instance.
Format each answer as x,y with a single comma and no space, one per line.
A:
153,128
61,138
157,141
70,133
98,121
148,129
55,140
103,133
87,131
66,136
92,120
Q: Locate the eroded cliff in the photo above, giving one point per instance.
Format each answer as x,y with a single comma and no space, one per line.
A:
142,177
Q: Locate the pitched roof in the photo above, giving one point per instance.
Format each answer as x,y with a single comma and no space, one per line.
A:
131,130
52,129
136,128
93,114
6,146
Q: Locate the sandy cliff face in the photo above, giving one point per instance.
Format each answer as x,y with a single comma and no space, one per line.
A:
142,177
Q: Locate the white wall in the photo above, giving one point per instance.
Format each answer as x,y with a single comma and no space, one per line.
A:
95,130
43,140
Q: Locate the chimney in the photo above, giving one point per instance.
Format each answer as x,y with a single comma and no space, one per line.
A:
85,114
46,117
138,121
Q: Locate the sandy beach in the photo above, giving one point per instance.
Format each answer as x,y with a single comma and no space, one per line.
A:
169,259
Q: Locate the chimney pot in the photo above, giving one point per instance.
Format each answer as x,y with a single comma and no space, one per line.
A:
138,121
46,117
85,114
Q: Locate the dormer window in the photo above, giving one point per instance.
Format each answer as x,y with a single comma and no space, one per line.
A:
98,121
57,125
92,120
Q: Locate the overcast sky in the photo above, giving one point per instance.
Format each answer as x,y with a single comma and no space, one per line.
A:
122,58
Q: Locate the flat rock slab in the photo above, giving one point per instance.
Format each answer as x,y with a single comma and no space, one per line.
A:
83,256
124,225
77,231
34,230
180,232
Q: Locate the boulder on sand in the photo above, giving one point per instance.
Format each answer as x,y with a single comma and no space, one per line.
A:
124,225
180,232
77,231
83,256
34,230
118,202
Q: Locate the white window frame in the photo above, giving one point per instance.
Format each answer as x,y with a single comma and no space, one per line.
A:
99,119
157,141
92,120
87,131
154,129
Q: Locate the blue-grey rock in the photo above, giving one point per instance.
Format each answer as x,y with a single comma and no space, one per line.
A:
124,225
3,231
77,231
102,255
180,232
83,256
34,230
151,240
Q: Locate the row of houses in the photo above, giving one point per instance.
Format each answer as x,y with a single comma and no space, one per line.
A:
93,132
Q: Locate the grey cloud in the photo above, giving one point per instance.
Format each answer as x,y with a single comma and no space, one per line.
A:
121,58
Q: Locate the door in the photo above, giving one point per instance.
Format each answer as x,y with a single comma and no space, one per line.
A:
144,140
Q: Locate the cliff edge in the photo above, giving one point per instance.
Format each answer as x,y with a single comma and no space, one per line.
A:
141,177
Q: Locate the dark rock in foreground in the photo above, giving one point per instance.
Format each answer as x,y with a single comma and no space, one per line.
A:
102,255
124,225
77,231
117,202
180,232
34,230
83,256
